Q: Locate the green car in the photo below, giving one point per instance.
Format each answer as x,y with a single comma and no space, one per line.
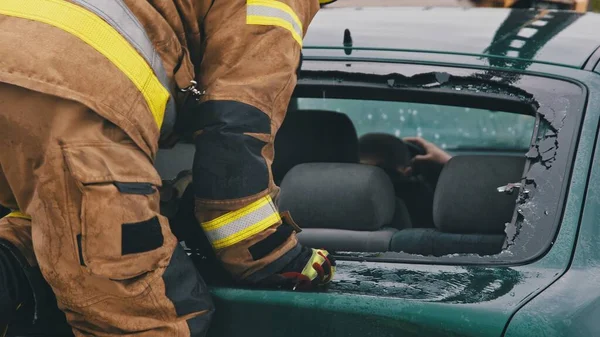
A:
503,240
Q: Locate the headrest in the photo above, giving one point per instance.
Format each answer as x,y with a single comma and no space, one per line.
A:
466,197
311,136
341,196
383,150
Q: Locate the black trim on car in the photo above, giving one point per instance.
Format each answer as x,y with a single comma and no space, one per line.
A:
592,61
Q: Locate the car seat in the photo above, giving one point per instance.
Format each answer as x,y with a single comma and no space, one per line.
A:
313,136
469,213
343,207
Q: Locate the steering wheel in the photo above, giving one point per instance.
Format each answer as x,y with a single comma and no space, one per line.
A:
415,149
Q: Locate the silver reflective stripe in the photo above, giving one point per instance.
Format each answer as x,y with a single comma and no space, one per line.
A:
259,10
241,224
118,15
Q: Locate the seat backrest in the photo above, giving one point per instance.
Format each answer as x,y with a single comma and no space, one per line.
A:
337,195
312,136
341,206
467,200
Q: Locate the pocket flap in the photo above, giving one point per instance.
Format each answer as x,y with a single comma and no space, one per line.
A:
93,163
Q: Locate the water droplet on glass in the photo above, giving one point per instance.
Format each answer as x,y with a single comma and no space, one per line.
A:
369,116
419,129
512,294
546,212
419,134
458,88
436,136
460,130
384,116
402,119
444,146
414,112
397,133
467,109
484,129
338,109
401,111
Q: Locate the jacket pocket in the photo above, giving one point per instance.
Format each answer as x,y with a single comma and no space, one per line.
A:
122,233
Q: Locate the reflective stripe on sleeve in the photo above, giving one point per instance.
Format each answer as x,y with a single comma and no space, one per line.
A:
242,224
100,35
274,13
18,214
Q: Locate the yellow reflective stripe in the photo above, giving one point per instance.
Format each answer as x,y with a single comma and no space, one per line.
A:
277,5
239,225
18,214
266,21
101,36
247,233
274,13
326,2
232,216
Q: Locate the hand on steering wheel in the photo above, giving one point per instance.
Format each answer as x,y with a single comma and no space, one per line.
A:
427,159
424,151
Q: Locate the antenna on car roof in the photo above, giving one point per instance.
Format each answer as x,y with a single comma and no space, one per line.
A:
347,42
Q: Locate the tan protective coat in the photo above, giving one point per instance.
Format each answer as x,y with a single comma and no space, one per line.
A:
71,123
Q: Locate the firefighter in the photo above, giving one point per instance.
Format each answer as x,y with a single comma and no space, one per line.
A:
88,91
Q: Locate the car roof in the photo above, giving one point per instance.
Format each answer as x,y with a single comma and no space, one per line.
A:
560,37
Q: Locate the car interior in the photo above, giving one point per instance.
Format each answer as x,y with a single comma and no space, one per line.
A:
343,205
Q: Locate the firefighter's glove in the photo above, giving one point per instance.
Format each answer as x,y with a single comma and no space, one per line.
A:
172,191
311,269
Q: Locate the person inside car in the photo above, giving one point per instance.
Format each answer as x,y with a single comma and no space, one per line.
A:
413,174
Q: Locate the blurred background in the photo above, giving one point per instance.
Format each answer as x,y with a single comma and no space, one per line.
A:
576,5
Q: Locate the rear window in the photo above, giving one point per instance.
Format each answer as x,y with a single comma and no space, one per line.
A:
502,204
450,128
